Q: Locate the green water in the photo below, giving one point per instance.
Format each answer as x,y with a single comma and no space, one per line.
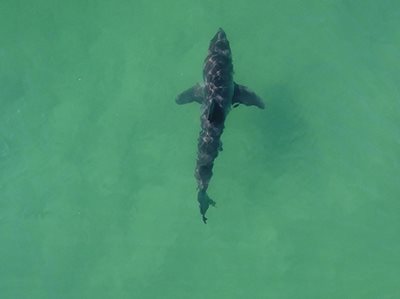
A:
97,193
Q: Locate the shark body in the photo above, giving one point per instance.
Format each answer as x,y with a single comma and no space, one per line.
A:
216,94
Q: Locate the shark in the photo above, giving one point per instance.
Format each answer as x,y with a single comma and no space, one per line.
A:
217,94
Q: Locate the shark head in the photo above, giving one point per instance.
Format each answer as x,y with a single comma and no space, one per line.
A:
219,44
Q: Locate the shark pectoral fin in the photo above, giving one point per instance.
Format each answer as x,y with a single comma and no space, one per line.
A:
192,94
243,95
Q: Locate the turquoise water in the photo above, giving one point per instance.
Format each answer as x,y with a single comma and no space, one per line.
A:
97,193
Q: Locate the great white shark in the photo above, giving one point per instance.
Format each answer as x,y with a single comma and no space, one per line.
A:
216,94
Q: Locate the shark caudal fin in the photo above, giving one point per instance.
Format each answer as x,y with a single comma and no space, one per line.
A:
243,95
192,94
204,203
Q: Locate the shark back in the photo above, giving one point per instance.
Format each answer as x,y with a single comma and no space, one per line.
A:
218,78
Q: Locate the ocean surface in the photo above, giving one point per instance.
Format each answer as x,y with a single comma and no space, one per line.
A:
97,188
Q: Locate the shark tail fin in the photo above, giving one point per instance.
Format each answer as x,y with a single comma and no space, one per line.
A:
192,94
204,203
243,95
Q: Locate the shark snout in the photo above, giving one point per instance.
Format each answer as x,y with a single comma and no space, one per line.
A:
219,43
221,34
